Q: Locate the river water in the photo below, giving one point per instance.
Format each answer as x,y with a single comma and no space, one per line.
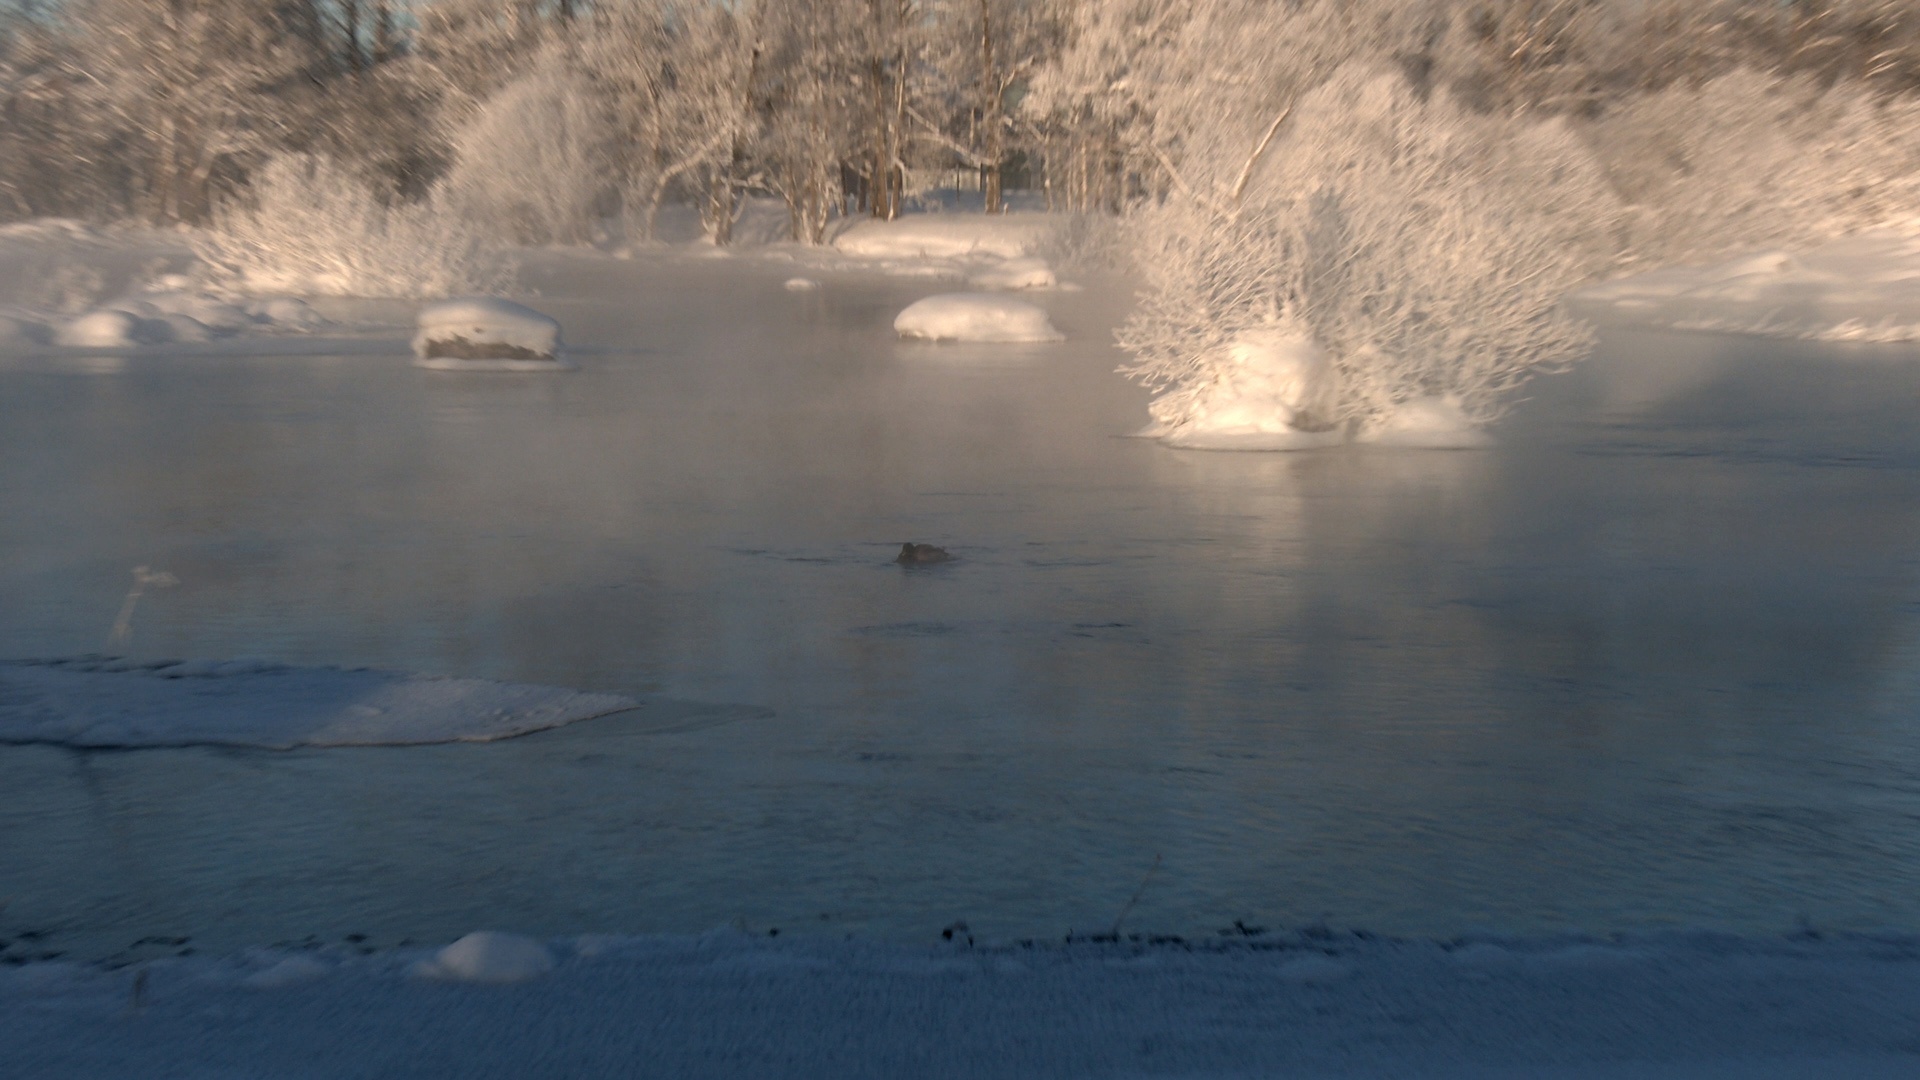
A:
1651,661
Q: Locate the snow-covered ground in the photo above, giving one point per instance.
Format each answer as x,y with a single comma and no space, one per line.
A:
726,1004
1863,288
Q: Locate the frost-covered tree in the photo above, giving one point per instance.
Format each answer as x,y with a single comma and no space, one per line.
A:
1418,246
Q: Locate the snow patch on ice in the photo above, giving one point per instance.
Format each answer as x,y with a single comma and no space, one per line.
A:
486,333
978,317
100,702
1862,288
488,956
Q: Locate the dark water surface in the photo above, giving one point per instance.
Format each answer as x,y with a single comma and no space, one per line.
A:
1653,660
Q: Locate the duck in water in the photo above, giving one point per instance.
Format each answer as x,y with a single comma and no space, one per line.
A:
921,555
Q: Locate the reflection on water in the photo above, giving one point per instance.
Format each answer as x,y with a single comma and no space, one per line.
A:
1651,660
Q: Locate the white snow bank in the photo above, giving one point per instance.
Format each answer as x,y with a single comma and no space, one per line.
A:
101,702
1023,273
726,1005
1271,386
1861,288
486,333
948,236
982,317
487,956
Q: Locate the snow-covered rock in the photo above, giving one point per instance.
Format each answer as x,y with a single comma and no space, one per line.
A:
488,956
1271,391
1024,273
100,330
1429,423
981,317
486,333
948,236
101,703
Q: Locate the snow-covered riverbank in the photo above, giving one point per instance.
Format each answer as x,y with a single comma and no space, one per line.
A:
730,1005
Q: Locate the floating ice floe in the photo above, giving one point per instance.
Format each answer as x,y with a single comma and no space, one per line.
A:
1860,288
486,333
982,317
488,956
1022,273
96,702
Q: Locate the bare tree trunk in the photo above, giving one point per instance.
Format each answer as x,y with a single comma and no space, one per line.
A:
990,110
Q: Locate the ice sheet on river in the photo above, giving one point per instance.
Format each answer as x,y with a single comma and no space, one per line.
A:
96,702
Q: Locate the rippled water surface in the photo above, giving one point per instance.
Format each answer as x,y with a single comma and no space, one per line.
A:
1652,660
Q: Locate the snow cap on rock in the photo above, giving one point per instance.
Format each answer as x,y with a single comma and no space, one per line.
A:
494,332
975,317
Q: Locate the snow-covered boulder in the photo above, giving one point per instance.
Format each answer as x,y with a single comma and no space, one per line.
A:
184,329
1428,423
488,956
1272,390
948,236
1026,273
100,330
486,333
975,317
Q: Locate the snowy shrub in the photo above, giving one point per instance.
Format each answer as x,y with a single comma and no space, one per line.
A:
314,227
534,162
1753,160
1420,247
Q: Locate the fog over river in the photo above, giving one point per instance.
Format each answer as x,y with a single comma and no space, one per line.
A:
1652,660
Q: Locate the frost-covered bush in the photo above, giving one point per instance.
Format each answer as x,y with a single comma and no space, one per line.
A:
1421,247
315,227
533,163
1753,160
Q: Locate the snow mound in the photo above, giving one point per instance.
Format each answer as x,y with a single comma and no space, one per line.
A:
100,330
1023,273
100,702
1861,288
486,333
948,236
488,956
1272,388
800,284
980,317
1429,423
213,314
